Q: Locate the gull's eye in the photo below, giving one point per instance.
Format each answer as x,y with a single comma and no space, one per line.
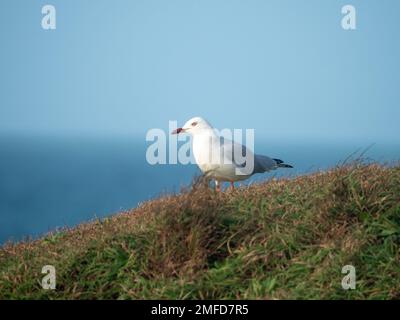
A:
194,124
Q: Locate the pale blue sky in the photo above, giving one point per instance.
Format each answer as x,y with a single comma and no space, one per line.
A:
285,68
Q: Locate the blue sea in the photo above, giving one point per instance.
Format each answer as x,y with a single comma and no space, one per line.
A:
53,182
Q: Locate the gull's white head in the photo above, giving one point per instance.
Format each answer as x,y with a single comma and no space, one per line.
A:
194,126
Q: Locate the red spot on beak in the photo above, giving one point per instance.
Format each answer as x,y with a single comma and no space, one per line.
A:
176,131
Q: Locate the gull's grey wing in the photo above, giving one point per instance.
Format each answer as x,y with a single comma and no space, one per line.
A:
261,163
235,152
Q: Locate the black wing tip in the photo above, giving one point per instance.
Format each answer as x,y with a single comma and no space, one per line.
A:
280,164
278,161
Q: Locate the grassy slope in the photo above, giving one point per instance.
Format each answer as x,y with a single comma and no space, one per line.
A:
277,240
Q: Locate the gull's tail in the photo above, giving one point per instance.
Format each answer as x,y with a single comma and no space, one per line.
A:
281,164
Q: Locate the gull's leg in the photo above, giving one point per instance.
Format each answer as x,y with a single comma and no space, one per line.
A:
232,185
217,186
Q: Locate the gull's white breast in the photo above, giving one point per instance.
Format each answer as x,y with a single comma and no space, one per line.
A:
210,157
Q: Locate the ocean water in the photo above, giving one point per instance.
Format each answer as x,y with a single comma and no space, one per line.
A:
48,183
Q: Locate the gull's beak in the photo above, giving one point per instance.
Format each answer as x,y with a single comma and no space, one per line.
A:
177,131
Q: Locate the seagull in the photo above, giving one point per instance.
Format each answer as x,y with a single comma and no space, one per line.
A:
222,159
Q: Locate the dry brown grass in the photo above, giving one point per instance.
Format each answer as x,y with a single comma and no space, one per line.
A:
280,239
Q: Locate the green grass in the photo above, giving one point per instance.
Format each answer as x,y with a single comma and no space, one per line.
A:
282,239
